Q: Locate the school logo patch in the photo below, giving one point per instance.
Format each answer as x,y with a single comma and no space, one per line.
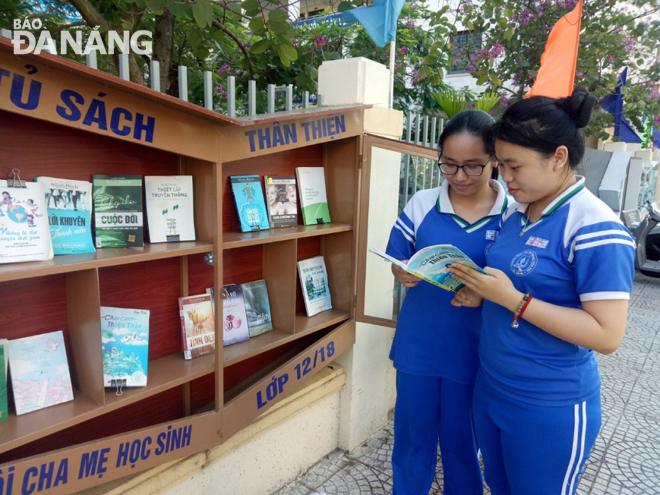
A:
491,235
524,263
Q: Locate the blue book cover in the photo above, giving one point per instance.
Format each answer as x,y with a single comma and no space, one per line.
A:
39,372
250,202
125,341
69,208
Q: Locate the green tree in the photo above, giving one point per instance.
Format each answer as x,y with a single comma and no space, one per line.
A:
615,34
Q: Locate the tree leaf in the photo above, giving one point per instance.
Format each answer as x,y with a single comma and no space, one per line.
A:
261,46
344,6
278,15
278,27
288,50
256,25
203,13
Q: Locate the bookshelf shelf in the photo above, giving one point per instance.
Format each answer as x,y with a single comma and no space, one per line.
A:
164,373
101,258
19,430
232,240
257,345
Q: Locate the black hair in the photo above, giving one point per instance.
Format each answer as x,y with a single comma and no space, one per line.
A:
475,122
543,124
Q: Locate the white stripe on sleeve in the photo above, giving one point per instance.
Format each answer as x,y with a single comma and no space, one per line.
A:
405,227
603,296
602,242
404,234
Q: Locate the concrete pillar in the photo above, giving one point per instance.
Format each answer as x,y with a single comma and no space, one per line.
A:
367,397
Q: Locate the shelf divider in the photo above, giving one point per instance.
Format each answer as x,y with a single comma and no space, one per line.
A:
232,240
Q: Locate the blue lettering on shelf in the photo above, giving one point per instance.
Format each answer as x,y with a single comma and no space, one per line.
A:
282,134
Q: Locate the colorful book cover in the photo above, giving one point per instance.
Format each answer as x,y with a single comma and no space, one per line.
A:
24,230
197,325
169,207
431,264
257,307
69,208
282,198
314,284
235,320
313,197
249,202
39,372
125,344
4,406
118,210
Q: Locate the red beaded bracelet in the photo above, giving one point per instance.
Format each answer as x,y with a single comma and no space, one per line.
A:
521,309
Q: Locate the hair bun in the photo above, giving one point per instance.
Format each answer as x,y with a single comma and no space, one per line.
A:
579,106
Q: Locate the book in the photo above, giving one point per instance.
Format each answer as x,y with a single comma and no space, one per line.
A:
69,208
282,199
4,406
235,320
197,325
125,344
24,230
431,264
313,197
257,307
39,372
169,208
314,284
118,210
249,202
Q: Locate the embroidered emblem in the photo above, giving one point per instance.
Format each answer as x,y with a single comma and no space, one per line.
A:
524,263
537,242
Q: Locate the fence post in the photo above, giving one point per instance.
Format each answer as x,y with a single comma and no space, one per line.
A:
231,96
271,98
90,59
208,90
289,97
183,82
252,98
305,102
154,75
124,71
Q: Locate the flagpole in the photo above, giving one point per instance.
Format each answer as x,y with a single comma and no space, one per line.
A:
392,56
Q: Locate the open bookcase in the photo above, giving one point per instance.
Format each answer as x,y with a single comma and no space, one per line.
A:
187,406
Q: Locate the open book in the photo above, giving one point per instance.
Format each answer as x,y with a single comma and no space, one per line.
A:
431,264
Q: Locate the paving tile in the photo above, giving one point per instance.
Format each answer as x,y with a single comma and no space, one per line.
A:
377,452
357,478
294,488
325,469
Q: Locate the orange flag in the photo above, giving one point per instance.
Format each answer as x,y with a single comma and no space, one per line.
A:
556,76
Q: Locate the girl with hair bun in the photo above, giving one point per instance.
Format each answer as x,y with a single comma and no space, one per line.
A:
435,344
560,276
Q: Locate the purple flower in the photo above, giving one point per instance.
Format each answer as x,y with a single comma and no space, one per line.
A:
579,73
610,58
653,95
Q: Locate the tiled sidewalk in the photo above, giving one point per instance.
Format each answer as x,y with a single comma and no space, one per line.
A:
625,459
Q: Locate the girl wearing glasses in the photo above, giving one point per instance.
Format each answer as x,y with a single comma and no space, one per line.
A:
561,273
435,344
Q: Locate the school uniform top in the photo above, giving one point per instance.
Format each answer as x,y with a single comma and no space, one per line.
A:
577,251
434,338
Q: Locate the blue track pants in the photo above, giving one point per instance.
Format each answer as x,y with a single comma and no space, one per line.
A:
530,449
428,409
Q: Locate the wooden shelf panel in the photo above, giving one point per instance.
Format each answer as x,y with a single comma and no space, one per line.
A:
101,258
19,430
236,353
231,240
164,374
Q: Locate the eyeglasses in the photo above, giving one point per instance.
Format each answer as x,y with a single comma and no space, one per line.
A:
451,169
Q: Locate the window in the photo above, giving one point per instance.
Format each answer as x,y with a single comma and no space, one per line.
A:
464,43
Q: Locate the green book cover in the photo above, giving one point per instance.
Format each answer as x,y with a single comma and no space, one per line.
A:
118,210
4,410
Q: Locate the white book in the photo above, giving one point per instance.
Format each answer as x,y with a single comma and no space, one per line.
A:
169,205
314,284
24,229
313,197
